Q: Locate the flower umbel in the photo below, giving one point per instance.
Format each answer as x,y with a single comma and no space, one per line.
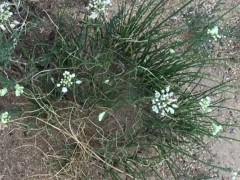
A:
5,117
163,102
98,7
205,103
214,33
5,15
68,81
4,120
18,89
5,12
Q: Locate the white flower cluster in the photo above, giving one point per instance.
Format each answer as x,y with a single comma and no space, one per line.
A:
4,120
214,33
205,103
164,102
18,90
5,117
5,15
67,81
98,7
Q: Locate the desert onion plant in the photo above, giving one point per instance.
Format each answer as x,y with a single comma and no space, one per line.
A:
128,94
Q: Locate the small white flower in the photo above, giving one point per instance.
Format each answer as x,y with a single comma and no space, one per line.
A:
101,116
64,90
3,91
216,128
58,85
170,94
163,113
157,94
66,73
167,89
16,22
72,76
155,109
93,15
2,27
208,99
171,110
18,90
12,25
171,51
106,81
78,82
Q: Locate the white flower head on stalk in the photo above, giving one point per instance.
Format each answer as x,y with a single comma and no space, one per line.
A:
18,90
164,102
3,91
5,12
5,117
4,120
205,103
5,17
98,7
214,33
67,81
